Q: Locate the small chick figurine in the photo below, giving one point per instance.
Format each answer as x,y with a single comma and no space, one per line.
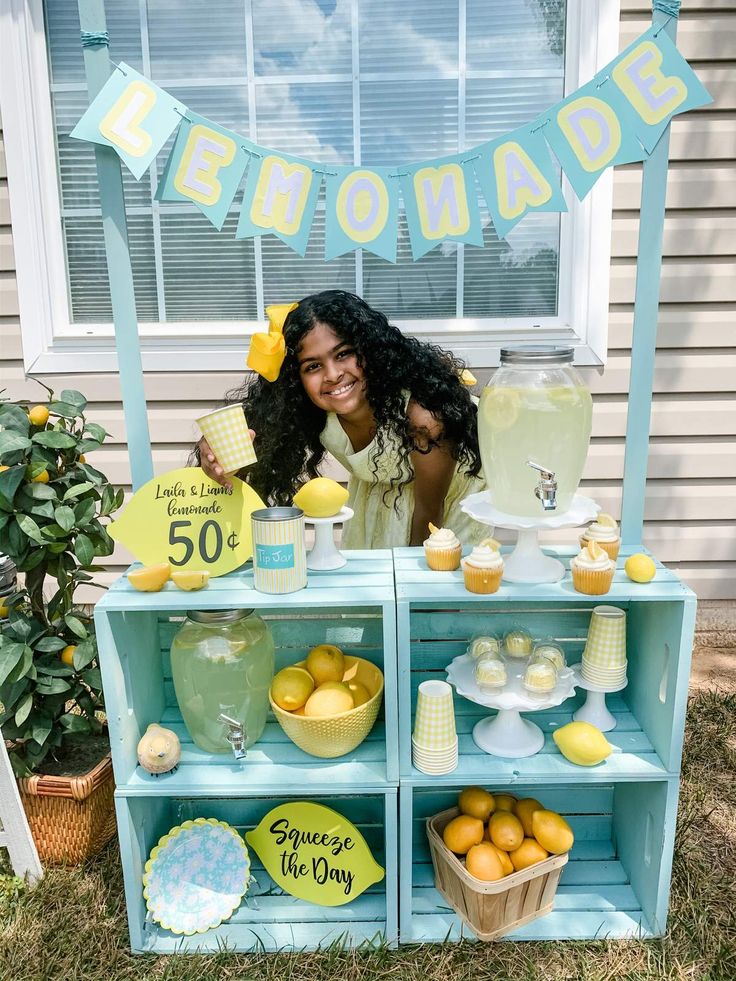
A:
159,750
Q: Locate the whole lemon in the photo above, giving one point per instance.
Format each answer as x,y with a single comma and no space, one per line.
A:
484,863
360,693
291,688
328,700
42,478
476,802
3,468
524,809
528,853
462,832
505,830
4,610
321,497
582,743
326,663
640,568
506,863
39,415
552,832
67,655
504,802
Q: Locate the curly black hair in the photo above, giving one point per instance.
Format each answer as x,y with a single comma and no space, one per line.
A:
288,424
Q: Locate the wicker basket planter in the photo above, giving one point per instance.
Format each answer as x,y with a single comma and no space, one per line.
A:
491,909
71,818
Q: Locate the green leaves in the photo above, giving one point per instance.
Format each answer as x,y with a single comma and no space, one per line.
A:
30,529
54,439
74,398
85,654
84,550
77,490
10,441
76,626
10,481
65,517
10,655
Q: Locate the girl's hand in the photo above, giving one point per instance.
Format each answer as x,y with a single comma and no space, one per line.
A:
208,462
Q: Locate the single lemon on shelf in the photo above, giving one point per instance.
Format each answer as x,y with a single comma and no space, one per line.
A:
462,832
640,568
291,687
326,663
190,581
505,830
321,497
582,743
360,693
528,853
552,832
484,862
67,655
39,415
151,578
331,698
504,802
476,802
524,809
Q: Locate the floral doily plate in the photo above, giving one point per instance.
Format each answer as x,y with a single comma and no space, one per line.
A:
196,876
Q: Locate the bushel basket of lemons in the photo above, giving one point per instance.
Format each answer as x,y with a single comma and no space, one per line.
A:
497,859
328,703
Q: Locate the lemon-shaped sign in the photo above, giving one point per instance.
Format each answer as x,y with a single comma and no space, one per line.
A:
314,853
187,519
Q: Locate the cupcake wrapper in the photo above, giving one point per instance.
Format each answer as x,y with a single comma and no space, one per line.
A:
610,548
592,582
443,559
482,580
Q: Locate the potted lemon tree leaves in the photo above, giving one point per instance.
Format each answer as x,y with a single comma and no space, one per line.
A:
53,507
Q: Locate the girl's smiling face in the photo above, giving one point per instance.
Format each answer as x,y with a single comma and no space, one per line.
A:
330,373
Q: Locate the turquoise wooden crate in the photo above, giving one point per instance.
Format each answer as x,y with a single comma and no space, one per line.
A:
353,607
615,884
268,918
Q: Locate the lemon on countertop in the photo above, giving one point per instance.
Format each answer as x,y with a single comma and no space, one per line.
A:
640,568
581,743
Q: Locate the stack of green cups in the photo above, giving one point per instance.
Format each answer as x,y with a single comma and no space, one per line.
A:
434,741
604,657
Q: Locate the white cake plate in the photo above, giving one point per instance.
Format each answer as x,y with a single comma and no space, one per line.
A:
507,734
325,555
528,563
594,709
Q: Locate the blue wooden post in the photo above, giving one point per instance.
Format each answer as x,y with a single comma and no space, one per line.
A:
644,341
112,202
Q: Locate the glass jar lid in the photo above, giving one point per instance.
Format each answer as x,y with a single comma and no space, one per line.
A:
538,355
217,616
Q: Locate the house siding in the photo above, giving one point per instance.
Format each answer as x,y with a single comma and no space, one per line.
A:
691,490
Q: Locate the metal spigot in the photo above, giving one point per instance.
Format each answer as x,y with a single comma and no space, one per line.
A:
235,735
546,489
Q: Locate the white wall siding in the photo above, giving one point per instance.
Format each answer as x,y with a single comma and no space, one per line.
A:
691,491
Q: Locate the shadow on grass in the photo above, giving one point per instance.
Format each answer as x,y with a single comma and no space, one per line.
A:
72,926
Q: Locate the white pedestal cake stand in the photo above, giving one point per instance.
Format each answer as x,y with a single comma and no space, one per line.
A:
528,563
325,555
594,708
507,734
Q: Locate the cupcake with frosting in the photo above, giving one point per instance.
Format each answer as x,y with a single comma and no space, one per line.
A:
518,643
592,570
603,531
483,568
482,646
490,673
540,677
442,549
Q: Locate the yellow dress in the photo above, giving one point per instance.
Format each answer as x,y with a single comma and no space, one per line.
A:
377,523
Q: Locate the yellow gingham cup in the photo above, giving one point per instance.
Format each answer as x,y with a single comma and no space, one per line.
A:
604,657
434,720
227,433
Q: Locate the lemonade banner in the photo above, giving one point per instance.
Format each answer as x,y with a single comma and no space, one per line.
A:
617,117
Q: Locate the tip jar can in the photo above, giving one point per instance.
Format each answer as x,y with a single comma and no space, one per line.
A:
222,663
279,552
534,422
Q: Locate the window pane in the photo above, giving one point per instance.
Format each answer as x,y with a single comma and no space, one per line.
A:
512,35
407,121
65,51
313,120
288,277
196,39
411,36
318,40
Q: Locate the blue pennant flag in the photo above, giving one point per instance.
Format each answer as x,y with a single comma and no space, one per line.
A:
590,131
361,211
133,116
205,166
440,203
657,84
280,197
517,175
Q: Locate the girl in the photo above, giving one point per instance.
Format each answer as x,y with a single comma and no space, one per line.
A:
391,409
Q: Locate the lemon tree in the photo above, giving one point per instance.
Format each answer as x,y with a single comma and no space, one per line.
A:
54,507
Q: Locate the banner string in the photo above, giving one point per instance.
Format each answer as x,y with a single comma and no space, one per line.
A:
90,39
669,7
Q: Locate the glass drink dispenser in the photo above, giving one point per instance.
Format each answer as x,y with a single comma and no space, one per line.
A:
222,663
534,423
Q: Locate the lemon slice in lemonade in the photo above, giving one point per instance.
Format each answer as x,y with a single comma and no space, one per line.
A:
501,408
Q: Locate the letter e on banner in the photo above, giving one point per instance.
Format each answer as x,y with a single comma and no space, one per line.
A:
205,153
593,131
519,182
281,195
122,124
653,95
442,203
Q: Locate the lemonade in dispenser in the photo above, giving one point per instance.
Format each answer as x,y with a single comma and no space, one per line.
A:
534,423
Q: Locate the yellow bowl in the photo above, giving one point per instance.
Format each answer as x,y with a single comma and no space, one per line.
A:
336,735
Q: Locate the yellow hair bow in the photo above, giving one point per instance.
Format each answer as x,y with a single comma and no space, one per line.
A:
267,351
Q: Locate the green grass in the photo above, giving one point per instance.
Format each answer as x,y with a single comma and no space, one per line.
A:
72,926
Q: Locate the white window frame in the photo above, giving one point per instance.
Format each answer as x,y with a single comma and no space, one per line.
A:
52,344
